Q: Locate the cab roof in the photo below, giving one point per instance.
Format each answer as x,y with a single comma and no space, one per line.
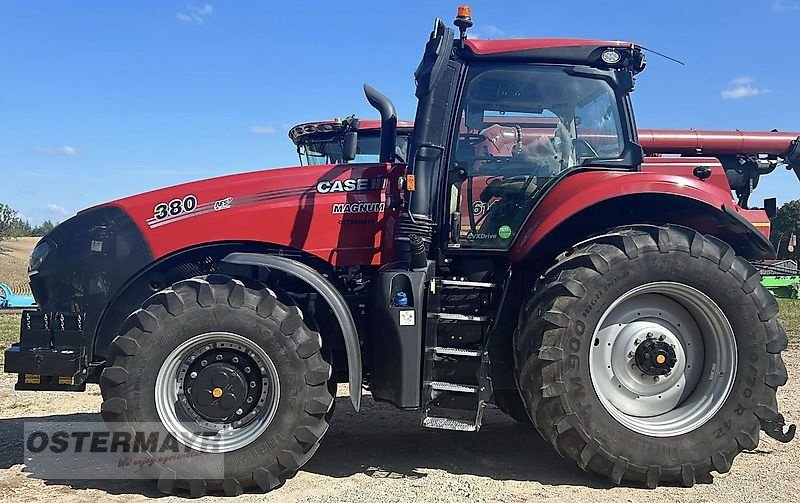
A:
568,51
485,47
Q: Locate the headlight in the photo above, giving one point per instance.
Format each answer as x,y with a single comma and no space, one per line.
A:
37,257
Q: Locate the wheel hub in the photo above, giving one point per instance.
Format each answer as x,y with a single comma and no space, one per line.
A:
222,386
655,357
218,391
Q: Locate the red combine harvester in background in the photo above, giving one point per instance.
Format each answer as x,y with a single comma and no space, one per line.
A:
744,155
605,298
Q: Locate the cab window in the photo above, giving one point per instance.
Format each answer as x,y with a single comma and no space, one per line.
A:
519,127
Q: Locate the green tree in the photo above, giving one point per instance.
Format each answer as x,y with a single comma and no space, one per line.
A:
785,225
43,229
11,225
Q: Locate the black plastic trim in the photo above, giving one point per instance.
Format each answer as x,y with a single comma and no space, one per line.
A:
331,296
760,242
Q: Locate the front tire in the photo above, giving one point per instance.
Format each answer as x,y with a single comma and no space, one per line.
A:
230,373
614,329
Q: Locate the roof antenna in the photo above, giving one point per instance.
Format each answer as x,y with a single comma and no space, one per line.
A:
463,20
663,55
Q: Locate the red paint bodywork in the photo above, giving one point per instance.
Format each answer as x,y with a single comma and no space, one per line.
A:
482,47
282,206
658,176
278,206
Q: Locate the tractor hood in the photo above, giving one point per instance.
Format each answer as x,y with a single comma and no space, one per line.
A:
337,212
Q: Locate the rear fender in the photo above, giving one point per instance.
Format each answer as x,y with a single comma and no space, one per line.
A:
591,202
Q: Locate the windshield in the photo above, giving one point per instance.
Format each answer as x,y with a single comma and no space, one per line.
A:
314,151
520,126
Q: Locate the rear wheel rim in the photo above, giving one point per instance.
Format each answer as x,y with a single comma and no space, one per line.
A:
212,415
697,349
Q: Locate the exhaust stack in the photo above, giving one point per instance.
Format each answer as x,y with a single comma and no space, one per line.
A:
388,122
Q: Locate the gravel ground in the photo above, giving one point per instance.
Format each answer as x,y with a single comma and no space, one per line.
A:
382,454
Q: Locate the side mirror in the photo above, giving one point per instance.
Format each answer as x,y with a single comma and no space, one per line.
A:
349,146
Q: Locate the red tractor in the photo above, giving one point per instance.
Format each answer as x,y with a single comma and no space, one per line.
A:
608,302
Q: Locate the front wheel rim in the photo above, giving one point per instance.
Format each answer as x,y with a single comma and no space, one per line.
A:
204,421
698,359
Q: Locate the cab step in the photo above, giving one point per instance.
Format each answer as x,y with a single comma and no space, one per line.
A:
453,283
458,317
446,423
456,383
456,351
448,386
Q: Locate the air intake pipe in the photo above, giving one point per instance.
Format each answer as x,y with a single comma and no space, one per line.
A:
388,122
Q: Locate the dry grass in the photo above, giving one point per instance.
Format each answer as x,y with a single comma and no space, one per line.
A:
14,255
790,318
9,331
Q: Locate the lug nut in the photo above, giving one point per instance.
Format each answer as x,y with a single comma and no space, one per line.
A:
252,384
630,354
239,411
662,337
656,378
204,363
193,375
219,357
235,359
649,335
637,342
249,399
247,370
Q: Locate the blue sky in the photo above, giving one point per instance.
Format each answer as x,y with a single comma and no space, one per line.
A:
104,99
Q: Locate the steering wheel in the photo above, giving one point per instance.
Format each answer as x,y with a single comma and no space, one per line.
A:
507,187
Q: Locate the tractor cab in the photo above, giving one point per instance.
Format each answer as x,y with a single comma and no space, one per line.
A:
499,122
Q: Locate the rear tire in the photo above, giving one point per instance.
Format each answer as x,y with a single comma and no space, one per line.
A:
510,402
571,395
261,345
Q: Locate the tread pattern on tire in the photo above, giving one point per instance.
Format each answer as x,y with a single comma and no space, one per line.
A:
205,291
537,355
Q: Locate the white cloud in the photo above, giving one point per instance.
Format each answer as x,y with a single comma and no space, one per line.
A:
486,31
194,14
265,129
67,150
56,210
785,6
742,87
